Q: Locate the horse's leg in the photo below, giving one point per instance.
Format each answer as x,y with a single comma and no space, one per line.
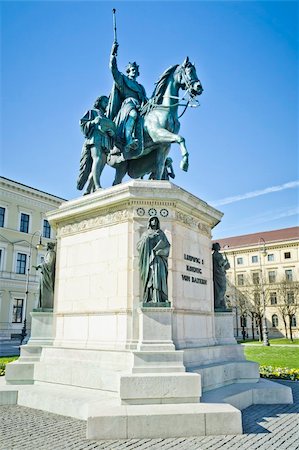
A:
161,135
162,152
120,172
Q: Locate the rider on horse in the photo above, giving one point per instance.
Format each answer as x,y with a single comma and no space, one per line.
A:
126,99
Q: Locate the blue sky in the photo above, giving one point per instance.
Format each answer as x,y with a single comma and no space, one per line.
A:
242,140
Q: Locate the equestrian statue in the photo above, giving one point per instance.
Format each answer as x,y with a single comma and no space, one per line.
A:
144,128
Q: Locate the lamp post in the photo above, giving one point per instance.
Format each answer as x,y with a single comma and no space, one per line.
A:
263,252
39,246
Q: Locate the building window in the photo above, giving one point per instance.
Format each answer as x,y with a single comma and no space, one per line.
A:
24,225
254,259
274,320
270,257
287,255
273,298
289,275
46,229
256,278
17,310
240,279
293,321
272,276
239,260
257,298
21,263
2,216
290,298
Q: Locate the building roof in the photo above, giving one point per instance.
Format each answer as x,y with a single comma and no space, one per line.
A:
285,234
4,179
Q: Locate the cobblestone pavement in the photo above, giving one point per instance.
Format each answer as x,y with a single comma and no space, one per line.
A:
272,427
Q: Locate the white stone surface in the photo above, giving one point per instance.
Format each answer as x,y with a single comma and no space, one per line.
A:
98,283
224,328
164,421
18,372
155,329
160,388
242,395
42,328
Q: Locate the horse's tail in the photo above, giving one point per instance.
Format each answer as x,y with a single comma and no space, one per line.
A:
85,167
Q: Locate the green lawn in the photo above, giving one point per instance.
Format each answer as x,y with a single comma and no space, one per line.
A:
278,341
273,356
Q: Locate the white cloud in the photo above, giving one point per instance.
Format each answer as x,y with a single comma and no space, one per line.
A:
269,190
250,224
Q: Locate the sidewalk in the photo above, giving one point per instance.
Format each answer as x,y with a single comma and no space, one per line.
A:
10,347
274,427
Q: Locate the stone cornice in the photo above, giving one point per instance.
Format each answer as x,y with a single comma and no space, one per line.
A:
133,199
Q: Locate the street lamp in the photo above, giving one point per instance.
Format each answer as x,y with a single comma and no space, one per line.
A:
39,246
263,252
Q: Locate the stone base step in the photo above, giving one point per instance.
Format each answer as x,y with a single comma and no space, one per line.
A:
242,395
224,373
106,419
65,400
163,421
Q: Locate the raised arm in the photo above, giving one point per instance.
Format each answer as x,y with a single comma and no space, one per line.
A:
117,75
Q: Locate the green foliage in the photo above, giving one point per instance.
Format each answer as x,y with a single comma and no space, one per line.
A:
274,356
5,360
283,373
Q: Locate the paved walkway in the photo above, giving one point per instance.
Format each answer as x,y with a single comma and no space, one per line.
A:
272,427
9,347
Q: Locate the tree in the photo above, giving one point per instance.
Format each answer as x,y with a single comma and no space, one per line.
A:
288,303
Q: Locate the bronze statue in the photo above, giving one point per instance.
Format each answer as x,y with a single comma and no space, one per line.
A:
143,138
126,99
220,266
99,132
153,249
46,287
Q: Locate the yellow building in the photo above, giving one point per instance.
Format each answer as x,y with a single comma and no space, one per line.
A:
264,274
23,226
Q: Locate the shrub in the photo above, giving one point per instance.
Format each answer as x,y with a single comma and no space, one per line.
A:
283,373
2,369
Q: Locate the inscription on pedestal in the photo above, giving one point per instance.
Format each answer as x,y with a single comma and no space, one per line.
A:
194,269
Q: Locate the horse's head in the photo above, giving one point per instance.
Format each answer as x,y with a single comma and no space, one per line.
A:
188,78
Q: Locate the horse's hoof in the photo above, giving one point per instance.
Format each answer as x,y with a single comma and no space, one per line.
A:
184,165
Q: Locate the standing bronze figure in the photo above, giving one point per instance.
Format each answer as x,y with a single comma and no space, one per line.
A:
220,266
153,249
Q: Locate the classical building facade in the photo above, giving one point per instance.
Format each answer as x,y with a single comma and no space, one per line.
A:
24,234
264,274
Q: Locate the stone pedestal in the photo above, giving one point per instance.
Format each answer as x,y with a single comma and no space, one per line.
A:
42,327
224,328
42,335
155,329
143,363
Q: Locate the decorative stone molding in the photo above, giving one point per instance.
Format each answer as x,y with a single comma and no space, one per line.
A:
94,222
192,222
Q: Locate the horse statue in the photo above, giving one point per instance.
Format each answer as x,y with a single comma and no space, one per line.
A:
160,126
